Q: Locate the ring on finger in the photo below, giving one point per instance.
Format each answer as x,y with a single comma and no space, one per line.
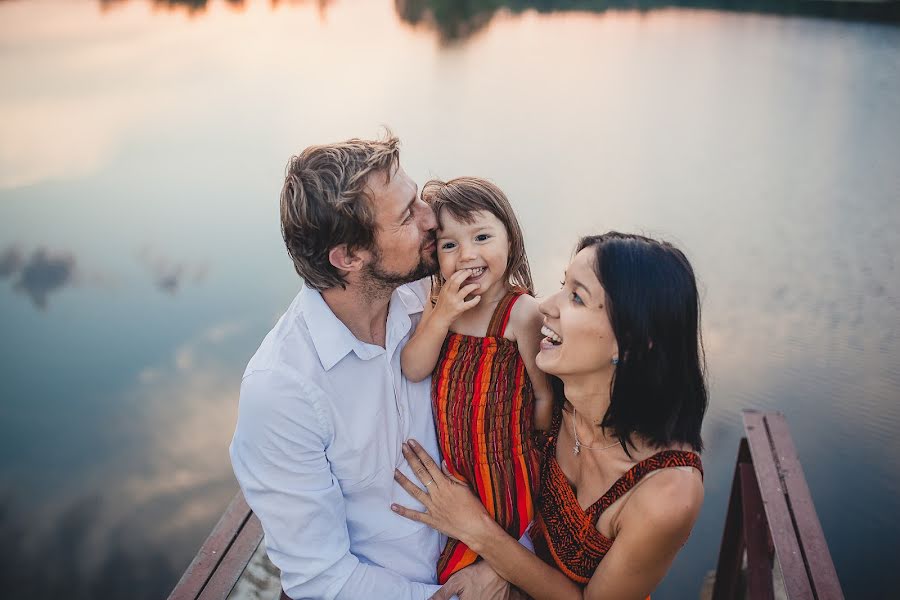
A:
429,483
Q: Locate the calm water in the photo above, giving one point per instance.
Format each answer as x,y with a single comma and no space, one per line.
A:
142,146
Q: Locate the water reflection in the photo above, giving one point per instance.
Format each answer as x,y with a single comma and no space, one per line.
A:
148,148
459,19
41,274
126,526
170,275
456,20
198,7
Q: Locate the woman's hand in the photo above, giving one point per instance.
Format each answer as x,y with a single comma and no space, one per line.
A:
452,301
450,507
478,582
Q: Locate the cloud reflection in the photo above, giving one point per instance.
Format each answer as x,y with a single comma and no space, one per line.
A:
10,262
130,526
52,565
169,275
45,272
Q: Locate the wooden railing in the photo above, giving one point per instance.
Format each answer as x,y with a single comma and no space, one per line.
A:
223,556
771,518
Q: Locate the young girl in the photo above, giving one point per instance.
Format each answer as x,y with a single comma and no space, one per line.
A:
480,339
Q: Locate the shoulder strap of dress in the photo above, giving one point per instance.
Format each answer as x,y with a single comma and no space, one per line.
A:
660,460
500,318
546,440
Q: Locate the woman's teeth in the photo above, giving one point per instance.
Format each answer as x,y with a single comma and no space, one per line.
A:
551,335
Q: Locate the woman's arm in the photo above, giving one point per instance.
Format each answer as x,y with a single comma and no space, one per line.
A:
420,355
525,322
652,527
452,508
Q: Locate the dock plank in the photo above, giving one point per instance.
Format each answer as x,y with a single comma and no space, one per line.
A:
213,550
781,522
234,562
809,529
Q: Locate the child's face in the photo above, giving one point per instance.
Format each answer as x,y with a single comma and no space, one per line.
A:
482,245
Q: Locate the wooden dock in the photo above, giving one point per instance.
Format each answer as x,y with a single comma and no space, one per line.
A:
772,540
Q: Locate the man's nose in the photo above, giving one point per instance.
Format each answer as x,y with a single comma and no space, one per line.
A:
428,220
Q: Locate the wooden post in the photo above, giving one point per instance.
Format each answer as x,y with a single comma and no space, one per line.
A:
770,511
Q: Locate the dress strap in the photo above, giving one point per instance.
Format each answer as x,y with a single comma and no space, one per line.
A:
660,460
545,441
500,318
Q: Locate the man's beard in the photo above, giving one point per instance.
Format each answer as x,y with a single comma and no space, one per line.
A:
378,280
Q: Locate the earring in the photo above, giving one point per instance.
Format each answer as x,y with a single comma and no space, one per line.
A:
615,360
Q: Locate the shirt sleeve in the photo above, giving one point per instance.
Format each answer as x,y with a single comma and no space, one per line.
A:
278,456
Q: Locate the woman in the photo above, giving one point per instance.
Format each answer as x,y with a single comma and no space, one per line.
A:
621,483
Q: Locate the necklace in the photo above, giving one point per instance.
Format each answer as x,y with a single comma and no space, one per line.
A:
578,445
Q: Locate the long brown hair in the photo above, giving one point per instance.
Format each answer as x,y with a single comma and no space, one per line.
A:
462,198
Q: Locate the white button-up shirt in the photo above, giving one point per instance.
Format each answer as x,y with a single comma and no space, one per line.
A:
321,421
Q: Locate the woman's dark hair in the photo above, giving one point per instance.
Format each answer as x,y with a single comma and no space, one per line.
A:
658,389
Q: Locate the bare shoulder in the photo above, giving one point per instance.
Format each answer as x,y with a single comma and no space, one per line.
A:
668,502
524,317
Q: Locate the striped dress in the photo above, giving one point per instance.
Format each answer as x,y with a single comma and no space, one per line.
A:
483,409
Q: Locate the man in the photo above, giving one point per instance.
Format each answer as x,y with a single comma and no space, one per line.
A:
324,407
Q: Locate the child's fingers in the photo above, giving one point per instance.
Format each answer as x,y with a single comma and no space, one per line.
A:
466,291
467,304
458,277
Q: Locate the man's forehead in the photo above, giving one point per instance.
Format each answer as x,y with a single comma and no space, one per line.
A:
395,189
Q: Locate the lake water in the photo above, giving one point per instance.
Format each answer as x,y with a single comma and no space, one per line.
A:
142,149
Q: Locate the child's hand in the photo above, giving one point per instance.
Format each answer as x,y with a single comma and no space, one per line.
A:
452,301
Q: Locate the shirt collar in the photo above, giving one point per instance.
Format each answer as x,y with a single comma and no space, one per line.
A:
333,340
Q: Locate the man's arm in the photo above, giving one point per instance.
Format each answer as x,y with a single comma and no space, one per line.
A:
278,455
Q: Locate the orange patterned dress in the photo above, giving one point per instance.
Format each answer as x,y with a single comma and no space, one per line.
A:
565,535
483,409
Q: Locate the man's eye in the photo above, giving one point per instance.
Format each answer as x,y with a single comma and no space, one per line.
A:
408,216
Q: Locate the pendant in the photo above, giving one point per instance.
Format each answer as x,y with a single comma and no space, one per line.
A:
577,449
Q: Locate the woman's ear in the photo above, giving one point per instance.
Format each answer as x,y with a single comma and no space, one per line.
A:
344,259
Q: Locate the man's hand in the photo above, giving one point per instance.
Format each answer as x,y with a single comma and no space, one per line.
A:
477,582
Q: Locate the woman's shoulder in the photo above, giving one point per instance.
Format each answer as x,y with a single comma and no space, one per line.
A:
669,501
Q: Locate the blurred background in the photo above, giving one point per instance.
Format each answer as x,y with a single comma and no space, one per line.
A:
142,150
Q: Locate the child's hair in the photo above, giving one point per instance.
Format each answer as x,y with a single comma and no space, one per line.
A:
463,197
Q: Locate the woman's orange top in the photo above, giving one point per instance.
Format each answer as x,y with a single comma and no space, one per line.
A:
483,409
565,535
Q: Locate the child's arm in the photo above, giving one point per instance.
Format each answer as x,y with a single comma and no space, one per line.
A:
420,355
526,321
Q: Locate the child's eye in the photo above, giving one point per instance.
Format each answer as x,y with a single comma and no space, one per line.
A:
448,246
482,237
